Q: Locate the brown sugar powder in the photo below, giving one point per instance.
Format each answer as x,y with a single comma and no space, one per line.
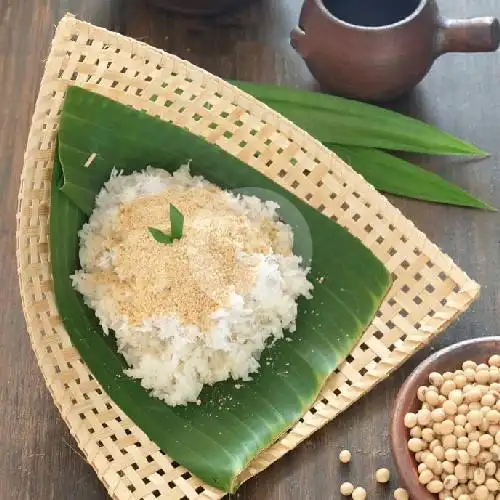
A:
193,277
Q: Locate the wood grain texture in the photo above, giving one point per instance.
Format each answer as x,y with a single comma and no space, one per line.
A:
38,458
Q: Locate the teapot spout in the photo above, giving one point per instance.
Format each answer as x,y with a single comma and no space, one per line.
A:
480,34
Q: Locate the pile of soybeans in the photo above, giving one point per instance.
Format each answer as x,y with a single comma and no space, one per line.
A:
455,435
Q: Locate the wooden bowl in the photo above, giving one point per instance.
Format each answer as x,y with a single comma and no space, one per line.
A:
448,359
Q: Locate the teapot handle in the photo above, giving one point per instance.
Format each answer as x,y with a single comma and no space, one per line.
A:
298,40
480,34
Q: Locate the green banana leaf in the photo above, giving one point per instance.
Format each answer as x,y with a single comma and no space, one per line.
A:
336,120
354,130
393,175
216,440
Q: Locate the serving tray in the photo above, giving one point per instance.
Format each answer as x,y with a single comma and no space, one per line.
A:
429,291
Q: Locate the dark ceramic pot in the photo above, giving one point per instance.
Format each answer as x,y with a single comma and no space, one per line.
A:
200,7
377,50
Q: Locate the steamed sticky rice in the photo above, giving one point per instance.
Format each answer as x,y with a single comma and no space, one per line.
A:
203,308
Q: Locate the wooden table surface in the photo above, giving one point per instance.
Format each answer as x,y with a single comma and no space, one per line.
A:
38,458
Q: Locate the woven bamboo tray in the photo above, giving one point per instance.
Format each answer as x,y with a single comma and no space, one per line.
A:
429,290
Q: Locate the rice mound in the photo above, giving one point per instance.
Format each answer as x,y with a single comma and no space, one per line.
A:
202,309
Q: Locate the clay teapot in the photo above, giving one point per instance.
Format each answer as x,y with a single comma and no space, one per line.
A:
377,50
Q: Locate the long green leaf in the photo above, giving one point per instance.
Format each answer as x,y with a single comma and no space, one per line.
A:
217,439
394,175
342,121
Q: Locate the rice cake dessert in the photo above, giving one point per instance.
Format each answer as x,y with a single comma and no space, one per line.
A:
200,309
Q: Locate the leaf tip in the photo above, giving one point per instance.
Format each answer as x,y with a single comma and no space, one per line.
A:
176,222
478,153
490,208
